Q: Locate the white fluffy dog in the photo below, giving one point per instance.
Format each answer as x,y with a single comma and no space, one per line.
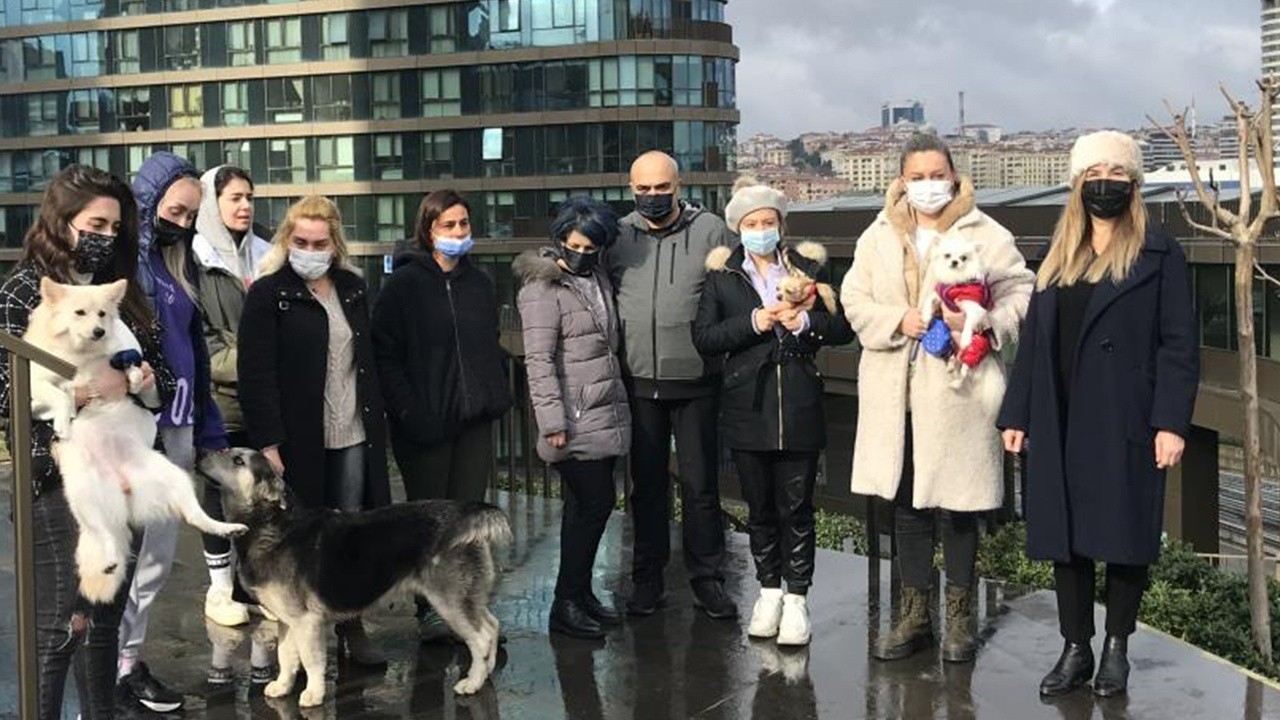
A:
111,472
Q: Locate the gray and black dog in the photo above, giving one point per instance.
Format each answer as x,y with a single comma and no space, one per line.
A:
312,567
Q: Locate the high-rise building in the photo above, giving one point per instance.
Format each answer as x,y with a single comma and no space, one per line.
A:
517,103
1271,53
910,111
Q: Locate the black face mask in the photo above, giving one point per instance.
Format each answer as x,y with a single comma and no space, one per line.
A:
94,252
169,233
1107,199
579,263
657,207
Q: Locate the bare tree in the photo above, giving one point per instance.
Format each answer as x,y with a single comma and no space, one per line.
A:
1242,228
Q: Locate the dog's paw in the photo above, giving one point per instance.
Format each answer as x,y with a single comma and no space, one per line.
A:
277,689
311,697
233,530
468,685
134,376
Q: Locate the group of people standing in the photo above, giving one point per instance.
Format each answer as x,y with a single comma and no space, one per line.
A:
665,324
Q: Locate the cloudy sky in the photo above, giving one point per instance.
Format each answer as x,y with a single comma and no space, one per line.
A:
1023,64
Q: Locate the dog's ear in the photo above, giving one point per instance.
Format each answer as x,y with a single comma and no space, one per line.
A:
51,291
116,290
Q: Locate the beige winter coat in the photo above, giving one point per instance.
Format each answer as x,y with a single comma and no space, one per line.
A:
957,450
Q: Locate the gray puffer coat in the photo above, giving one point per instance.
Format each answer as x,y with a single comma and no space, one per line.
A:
571,354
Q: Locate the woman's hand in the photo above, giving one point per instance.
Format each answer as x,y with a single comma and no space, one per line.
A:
913,324
148,376
955,320
1169,447
763,319
272,454
792,319
558,440
1014,440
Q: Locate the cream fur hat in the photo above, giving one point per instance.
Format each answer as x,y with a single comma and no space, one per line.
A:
749,196
1107,146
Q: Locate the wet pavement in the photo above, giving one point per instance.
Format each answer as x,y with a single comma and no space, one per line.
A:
678,663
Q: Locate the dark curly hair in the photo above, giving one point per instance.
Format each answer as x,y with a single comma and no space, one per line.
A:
596,221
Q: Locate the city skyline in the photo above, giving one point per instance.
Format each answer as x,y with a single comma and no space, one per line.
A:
1055,64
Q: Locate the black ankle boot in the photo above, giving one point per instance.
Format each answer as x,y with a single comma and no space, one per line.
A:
1113,670
1073,670
569,617
596,609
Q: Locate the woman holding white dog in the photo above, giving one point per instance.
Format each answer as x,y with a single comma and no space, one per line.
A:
86,233
308,386
771,415
1104,384
924,437
575,386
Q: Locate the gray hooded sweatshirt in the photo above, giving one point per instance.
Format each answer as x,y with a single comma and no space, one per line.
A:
658,277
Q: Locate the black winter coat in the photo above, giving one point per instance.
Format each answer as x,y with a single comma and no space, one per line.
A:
439,359
771,392
1094,490
282,363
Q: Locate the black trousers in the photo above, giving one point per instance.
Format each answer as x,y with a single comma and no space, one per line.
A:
456,470
778,488
71,633
589,498
697,455
1075,582
915,533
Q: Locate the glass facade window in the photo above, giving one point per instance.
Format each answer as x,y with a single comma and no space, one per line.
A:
38,11
1215,303
235,103
83,114
687,79
388,33
287,160
40,58
284,40
99,157
133,109
441,93
332,97
388,157
186,107
88,56
238,153
126,55
443,28
193,152
6,173
182,47
388,218
242,44
286,100
42,166
335,159
133,7
135,156
42,114
78,10
334,40
386,96
437,154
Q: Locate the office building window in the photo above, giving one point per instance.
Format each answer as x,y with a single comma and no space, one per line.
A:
186,107
443,21
441,93
88,56
79,10
335,43
437,154
287,160
335,159
284,40
126,53
6,172
42,114
42,166
98,157
135,156
39,11
388,157
133,7
180,5
133,109
242,44
235,103
388,33
549,14
687,79
286,100
386,96
388,218
83,116
182,47
332,98
237,152
193,152
40,58
504,15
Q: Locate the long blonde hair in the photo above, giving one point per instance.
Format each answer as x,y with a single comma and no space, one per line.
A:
1070,257
175,256
312,207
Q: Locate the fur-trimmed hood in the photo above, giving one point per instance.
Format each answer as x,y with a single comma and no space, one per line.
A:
807,255
537,266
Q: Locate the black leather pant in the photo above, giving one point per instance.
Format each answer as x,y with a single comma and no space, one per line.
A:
778,488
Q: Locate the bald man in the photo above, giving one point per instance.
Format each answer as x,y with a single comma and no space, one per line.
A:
657,269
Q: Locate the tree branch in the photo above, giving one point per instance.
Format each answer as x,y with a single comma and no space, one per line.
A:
1264,152
1212,231
1264,275
1177,132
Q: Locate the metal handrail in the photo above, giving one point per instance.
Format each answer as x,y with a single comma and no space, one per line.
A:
21,355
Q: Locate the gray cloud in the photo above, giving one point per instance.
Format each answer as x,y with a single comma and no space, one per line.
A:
1023,64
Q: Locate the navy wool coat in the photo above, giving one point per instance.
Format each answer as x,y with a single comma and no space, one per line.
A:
1093,489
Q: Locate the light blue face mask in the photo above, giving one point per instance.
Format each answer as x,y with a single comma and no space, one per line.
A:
454,247
761,242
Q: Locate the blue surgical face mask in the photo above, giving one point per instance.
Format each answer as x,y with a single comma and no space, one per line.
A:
454,247
761,242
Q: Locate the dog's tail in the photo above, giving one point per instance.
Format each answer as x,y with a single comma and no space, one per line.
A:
482,524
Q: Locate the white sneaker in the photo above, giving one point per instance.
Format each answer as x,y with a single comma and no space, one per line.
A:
767,614
794,628
220,608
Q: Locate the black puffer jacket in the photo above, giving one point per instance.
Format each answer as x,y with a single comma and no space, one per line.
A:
439,360
771,394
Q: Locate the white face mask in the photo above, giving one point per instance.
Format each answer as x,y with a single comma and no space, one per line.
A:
930,196
310,264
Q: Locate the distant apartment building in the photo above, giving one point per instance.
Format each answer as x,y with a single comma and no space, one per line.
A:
893,113
778,157
803,188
